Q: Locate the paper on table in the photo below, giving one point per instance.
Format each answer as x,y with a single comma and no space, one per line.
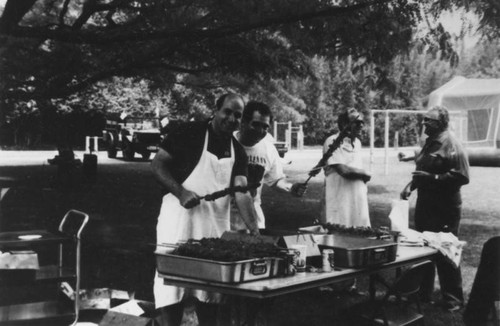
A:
399,215
411,238
447,243
130,308
120,294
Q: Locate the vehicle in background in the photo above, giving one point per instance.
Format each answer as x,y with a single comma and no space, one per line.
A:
132,135
282,148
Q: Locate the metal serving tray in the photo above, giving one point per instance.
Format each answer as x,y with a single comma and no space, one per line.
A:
357,252
210,270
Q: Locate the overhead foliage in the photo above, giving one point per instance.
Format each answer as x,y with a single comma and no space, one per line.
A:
178,55
484,60
52,49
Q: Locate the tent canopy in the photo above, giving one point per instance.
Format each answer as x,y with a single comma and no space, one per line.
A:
477,101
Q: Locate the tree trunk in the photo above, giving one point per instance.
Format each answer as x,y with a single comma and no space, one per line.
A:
13,12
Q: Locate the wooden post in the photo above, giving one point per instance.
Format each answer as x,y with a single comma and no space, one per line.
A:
386,143
372,137
300,138
3,192
96,145
289,135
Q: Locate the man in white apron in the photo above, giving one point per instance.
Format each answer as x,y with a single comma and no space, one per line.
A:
196,159
345,191
264,163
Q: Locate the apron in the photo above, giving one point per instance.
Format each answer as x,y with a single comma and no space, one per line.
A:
208,219
345,200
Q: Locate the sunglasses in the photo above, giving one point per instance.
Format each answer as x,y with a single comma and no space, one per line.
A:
257,125
427,119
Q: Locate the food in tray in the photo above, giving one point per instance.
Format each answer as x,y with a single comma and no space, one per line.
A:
225,250
361,231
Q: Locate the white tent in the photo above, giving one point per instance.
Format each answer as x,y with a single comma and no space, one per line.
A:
474,105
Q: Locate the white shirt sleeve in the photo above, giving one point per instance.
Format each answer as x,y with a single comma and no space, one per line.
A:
274,171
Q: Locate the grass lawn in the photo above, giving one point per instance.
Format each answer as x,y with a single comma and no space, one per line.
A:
124,201
480,215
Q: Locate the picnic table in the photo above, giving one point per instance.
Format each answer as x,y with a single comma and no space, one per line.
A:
272,287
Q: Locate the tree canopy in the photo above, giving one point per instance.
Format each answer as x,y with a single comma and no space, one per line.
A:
52,49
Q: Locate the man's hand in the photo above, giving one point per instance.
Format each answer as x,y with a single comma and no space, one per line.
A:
351,173
406,192
298,189
402,157
189,199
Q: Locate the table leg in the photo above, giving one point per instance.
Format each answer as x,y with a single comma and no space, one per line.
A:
371,287
232,312
249,311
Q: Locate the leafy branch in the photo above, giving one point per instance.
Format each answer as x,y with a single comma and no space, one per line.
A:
75,35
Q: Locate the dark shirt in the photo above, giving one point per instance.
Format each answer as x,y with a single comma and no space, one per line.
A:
442,155
185,145
438,206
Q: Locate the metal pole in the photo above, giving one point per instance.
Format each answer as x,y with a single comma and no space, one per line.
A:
96,149
386,143
289,134
87,143
372,137
301,138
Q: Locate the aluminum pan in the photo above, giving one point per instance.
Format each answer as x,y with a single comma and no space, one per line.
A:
357,252
217,271
350,242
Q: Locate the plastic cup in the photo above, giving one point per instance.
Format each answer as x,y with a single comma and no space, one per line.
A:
301,255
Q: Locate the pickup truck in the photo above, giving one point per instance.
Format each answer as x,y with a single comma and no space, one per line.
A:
282,148
132,135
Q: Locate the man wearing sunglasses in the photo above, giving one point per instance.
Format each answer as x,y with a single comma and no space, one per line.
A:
196,159
264,163
442,168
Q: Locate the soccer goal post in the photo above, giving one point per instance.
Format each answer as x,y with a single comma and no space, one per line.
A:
386,133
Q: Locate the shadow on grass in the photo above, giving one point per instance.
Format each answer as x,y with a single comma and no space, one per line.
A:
123,203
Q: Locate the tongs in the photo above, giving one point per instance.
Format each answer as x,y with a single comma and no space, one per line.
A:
331,148
229,191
